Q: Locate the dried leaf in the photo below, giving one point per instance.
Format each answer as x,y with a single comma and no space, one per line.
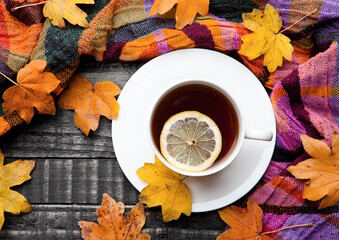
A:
185,12
166,189
247,225
112,223
266,38
244,224
90,102
13,174
322,170
58,10
32,90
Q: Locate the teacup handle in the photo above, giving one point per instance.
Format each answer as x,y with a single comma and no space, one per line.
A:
258,135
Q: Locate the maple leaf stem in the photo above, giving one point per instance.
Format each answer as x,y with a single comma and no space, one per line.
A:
294,226
310,13
8,78
184,177
28,5
100,70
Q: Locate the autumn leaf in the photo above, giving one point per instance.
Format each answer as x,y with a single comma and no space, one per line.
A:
322,170
32,90
247,224
90,102
186,10
244,224
266,38
166,189
112,223
13,174
58,10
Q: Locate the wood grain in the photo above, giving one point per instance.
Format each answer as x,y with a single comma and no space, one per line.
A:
81,181
60,222
73,171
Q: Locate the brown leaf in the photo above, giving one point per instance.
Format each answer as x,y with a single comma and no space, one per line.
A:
32,90
112,223
244,224
186,10
322,170
90,102
13,174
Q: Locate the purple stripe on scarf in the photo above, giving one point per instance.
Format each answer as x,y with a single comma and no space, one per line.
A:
160,37
329,10
28,15
283,7
200,34
327,34
291,85
5,70
148,5
323,228
284,154
134,31
113,53
273,221
334,99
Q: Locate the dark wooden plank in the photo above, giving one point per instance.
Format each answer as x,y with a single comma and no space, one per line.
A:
78,181
118,73
60,222
57,137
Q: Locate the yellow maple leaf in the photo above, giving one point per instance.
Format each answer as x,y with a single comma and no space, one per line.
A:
266,38
186,10
58,10
13,174
166,189
322,170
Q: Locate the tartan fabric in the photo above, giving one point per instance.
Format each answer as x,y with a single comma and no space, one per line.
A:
305,102
304,91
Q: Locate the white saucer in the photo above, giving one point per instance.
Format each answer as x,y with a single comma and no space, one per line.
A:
129,131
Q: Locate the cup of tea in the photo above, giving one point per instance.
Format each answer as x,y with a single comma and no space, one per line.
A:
212,100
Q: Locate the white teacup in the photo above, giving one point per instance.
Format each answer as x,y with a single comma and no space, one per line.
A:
210,99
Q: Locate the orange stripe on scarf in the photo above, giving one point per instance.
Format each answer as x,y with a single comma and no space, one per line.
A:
4,126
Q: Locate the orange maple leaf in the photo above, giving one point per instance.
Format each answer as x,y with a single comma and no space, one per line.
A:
90,102
32,90
244,224
185,12
247,224
112,223
13,174
322,170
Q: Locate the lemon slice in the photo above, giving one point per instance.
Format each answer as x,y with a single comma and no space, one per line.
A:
190,141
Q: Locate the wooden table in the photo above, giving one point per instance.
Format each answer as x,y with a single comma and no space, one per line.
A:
73,171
